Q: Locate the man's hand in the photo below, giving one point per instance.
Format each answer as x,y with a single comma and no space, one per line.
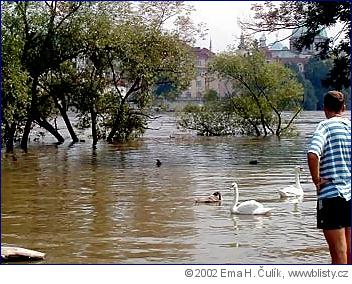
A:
320,183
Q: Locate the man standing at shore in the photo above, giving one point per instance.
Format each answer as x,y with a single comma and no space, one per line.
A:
329,161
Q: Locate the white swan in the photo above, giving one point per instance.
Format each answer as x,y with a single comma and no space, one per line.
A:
293,190
250,207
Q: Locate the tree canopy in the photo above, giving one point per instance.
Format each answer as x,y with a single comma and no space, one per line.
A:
313,16
261,92
100,60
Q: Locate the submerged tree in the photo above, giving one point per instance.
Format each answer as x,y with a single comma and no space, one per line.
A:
14,87
210,119
153,58
48,32
99,59
262,92
136,53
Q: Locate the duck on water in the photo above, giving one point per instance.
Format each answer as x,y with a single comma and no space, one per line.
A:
213,198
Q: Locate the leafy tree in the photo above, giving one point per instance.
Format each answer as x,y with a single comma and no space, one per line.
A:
310,100
262,90
163,90
143,57
209,120
14,97
211,96
49,35
316,71
80,55
137,57
313,16
58,87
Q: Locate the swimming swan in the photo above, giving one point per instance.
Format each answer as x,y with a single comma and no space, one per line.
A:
215,197
250,207
293,190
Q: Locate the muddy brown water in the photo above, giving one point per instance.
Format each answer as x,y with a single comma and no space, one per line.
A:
113,205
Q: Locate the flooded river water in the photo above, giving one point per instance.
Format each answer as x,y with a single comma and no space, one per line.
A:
114,206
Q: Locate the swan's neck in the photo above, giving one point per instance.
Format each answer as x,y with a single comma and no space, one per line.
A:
298,183
235,187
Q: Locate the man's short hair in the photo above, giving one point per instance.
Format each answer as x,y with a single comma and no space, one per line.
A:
334,101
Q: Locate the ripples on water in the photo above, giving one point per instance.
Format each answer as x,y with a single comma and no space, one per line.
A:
113,205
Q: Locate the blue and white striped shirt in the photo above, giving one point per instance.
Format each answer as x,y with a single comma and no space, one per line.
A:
331,142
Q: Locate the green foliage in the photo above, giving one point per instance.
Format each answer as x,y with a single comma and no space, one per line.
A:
143,57
208,120
100,59
313,17
262,91
310,100
210,96
316,71
14,98
136,54
49,34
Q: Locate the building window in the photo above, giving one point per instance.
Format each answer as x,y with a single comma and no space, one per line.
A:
198,84
300,67
199,72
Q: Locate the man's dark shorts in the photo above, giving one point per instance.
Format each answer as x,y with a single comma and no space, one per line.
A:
333,213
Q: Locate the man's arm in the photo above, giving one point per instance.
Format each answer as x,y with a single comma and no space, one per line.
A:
313,164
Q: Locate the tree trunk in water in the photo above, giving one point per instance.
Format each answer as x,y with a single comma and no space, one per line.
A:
9,135
69,127
47,126
116,122
31,112
25,136
66,120
264,125
93,115
257,131
113,129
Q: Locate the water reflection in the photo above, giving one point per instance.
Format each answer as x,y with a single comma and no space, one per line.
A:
113,205
248,222
293,200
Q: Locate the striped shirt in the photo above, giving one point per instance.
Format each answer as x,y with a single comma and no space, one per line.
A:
331,142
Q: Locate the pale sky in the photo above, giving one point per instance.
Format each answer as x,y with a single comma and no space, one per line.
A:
221,18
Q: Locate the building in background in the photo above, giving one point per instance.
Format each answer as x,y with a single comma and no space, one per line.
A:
290,55
275,51
204,81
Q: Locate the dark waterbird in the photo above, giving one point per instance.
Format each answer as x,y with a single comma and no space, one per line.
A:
215,197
